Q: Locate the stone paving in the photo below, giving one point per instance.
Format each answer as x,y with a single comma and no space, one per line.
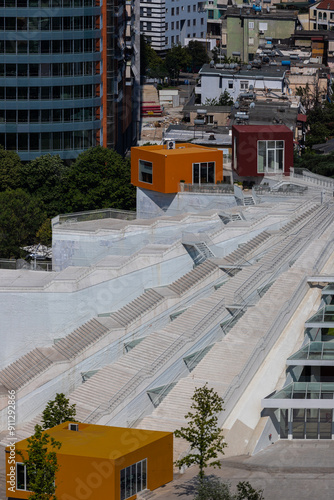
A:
287,470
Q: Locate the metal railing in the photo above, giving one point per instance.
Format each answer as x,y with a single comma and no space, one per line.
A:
206,188
91,215
308,176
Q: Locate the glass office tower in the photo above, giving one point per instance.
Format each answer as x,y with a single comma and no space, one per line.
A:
58,81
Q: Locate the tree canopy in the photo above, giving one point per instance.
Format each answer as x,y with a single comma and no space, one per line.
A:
57,411
41,465
21,215
32,193
202,433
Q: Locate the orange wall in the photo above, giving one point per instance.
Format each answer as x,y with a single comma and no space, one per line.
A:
99,479
170,168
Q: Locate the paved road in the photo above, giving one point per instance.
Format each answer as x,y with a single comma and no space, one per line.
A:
287,470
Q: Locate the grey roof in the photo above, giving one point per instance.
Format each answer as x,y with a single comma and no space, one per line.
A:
254,73
265,113
326,148
248,12
179,133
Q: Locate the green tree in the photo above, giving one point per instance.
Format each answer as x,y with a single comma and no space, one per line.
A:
247,492
44,178
41,465
10,165
44,233
198,55
203,433
177,58
57,411
20,217
99,178
151,64
224,100
212,488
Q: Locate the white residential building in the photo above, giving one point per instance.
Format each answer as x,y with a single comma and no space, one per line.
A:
215,80
170,22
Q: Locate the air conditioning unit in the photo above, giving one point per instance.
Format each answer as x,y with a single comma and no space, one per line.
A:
73,427
171,145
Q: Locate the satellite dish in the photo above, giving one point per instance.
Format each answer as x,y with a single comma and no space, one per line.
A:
252,105
236,105
251,87
249,66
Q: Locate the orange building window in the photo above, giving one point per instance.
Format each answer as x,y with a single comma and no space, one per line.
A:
145,171
133,479
204,173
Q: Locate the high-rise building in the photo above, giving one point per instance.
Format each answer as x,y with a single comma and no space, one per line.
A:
167,23
68,76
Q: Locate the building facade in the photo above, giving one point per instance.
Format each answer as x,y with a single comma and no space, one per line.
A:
258,150
67,76
248,27
236,79
321,15
169,23
97,462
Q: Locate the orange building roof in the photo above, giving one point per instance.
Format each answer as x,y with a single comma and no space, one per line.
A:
99,441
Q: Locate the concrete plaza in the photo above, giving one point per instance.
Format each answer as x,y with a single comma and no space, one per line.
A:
287,470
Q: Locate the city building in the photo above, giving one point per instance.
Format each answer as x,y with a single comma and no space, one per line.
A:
249,26
236,79
169,23
321,15
160,169
303,408
68,76
258,150
101,462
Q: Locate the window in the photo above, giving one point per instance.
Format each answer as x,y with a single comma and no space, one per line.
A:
270,156
230,84
320,15
149,12
244,85
149,26
177,25
188,22
133,478
166,26
210,14
22,481
202,20
204,173
172,25
263,26
177,11
251,25
172,40
188,8
194,22
251,40
145,173
209,119
173,11
194,8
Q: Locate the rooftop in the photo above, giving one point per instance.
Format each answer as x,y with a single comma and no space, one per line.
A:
326,5
248,12
99,441
255,73
181,148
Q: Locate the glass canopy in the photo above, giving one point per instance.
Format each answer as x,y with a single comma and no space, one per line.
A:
324,315
306,390
314,351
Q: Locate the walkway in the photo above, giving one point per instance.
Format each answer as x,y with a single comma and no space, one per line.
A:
289,470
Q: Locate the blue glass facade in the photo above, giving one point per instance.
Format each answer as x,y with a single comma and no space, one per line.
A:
50,76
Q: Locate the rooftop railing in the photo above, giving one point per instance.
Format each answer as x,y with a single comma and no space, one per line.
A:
206,188
90,215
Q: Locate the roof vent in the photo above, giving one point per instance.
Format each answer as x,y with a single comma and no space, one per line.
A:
73,427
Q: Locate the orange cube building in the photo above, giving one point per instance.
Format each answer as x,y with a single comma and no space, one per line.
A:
98,462
160,169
